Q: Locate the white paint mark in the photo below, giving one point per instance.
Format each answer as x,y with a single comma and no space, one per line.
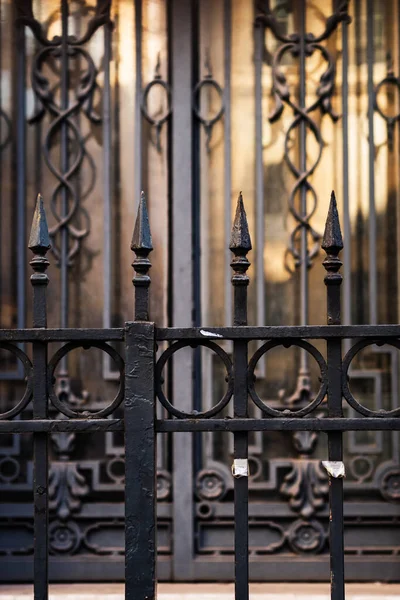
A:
240,467
335,468
210,334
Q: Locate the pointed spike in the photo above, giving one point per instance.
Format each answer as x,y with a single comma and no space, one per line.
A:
332,241
141,239
240,236
39,239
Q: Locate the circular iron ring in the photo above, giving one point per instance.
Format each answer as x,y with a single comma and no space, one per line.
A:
26,398
345,379
68,412
207,81
272,412
153,120
194,414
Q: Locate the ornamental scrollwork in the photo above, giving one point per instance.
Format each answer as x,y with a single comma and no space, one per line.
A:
390,80
306,45
65,200
306,485
157,120
209,82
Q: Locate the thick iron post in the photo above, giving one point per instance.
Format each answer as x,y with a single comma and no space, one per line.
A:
39,244
240,245
140,463
141,246
140,435
332,244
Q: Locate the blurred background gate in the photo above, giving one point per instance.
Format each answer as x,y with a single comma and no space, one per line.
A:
192,102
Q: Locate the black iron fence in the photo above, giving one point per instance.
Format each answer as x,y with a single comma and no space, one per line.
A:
141,386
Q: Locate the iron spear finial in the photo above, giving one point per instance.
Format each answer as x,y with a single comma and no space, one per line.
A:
39,244
141,239
332,243
39,239
142,245
240,242
240,245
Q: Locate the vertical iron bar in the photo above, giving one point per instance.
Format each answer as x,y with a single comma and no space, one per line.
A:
346,205
138,100
140,463
373,273
303,189
181,35
332,244
227,154
259,47
107,222
21,174
196,238
240,245
260,230
39,243
64,165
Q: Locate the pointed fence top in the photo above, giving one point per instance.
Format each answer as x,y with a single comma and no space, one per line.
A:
240,242
332,241
39,239
141,239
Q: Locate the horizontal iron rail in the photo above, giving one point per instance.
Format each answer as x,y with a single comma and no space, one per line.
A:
280,424
61,425
182,425
61,335
278,332
202,333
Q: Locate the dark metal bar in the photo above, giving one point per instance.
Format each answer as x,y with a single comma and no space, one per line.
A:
21,174
277,424
332,244
303,189
61,335
240,245
314,332
345,159
138,101
276,332
62,425
39,244
182,15
140,464
227,153
259,35
142,246
372,254
107,211
64,161
187,425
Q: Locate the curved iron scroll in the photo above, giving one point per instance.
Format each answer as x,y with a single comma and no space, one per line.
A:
63,49
157,121
207,81
392,81
303,45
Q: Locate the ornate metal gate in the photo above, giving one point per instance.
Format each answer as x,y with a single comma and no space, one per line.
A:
142,384
192,100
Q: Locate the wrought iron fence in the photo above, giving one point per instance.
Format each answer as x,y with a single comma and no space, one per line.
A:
142,386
